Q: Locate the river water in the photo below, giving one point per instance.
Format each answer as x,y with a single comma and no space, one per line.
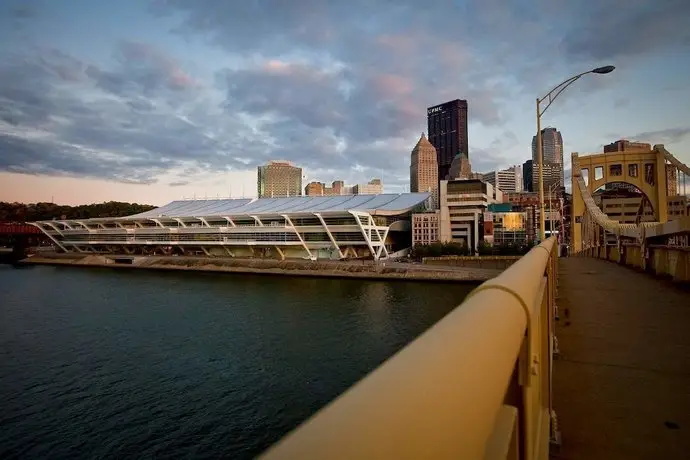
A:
98,363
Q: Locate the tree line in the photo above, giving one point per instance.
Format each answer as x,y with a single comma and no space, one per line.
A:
21,212
439,249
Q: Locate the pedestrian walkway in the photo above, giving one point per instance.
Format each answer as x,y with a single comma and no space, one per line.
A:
622,381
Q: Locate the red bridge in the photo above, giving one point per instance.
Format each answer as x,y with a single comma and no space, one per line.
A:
21,238
9,228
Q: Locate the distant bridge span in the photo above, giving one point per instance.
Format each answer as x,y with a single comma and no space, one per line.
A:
14,228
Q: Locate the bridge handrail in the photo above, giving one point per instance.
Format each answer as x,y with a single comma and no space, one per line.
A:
444,395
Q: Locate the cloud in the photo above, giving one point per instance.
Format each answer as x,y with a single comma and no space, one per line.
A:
664,136
20,11
340,88
621,102
135,120
616,29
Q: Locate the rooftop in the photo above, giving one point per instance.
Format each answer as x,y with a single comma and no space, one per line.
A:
382,204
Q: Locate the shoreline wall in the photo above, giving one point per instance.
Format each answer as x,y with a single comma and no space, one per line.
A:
330,269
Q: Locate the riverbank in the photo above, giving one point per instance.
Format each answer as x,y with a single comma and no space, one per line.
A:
329,269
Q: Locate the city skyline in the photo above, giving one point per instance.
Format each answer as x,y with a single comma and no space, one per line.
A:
186,104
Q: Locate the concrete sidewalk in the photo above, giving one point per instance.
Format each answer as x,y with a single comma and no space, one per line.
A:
622,382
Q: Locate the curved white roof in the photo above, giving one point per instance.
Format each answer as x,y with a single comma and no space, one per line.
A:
387,203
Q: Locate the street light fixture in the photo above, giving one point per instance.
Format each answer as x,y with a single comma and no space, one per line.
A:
551,96
603,70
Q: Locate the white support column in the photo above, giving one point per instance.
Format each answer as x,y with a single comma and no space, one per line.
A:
203,221
475,240
55,227
53,239
179,221
280,251
206,251
366,231
84,225
257,220
230,253
381,238
118,224
382,248
292,226
330,235
138,224
64,222
230,221
158,223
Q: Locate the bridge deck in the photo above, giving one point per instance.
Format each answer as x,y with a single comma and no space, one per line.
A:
622,382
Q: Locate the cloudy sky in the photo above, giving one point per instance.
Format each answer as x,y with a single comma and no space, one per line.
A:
152,101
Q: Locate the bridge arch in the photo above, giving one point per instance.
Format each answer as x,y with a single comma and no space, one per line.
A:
644,170
631,188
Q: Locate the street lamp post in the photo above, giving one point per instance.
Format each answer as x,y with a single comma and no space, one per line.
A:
550,97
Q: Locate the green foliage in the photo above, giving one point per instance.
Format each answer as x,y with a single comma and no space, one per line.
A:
20,212
439,249
457,249
506,249
485,249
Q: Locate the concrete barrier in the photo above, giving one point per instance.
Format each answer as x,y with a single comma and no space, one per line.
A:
494,262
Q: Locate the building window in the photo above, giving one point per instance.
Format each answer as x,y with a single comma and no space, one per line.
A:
632,170
598,173
649,173
616,170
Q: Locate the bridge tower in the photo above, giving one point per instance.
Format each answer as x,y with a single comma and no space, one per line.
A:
644,170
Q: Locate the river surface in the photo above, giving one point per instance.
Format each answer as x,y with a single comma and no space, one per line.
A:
98,363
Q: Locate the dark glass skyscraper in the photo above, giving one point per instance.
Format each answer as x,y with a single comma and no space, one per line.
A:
447,128
552,151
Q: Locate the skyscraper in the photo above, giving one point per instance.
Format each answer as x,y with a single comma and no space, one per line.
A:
528,176
279,178
424,169
447,128
506,180
460,168
552,151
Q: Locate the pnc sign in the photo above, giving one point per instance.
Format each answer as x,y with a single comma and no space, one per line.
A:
434,110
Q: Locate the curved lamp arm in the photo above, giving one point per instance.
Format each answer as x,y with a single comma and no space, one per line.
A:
558,89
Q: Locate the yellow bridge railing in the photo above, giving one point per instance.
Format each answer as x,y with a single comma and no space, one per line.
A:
476,385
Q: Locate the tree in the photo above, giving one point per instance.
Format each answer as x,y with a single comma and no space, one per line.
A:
20,212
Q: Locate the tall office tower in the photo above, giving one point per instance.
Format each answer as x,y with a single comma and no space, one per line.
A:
506,180
552,151
278,179
460,168
424,169
447,128
527,175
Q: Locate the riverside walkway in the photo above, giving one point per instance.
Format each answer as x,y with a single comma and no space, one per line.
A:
622,381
